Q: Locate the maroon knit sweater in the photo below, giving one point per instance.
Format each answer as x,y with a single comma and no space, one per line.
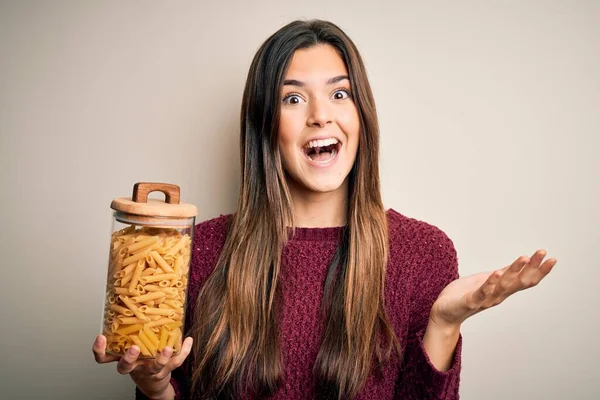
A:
422,261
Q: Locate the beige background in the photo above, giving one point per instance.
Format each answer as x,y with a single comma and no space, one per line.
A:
490,122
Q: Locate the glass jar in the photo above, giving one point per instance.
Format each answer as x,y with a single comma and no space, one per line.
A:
148,268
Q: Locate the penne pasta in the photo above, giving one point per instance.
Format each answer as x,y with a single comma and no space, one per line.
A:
122,310
151,263
142,244
174,304
146,289
152,288
148,296
159,322
174,325
130,304
149,271
137,273
126,330
173,338
156,278
125,291
168,312
135,258
151,336
131,320
178,246
143,349
161,261
147,342
162,342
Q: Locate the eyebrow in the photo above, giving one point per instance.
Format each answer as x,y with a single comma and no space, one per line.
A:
330,81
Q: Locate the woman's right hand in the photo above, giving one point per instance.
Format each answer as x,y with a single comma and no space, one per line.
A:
151,376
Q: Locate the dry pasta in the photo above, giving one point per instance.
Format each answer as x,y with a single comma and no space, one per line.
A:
146,290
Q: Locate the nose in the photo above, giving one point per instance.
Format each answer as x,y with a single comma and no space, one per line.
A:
320,114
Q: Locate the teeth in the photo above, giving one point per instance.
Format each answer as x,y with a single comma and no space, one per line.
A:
321,143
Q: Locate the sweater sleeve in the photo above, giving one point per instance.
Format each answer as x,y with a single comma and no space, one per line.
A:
419,378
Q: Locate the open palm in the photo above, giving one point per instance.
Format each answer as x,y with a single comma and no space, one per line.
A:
472,294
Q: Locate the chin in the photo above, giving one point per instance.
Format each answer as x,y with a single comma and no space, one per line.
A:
323,186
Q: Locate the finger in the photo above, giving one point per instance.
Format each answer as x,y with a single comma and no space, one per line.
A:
536,259
529,274
547,266
99,349
506,285
177,360
161,360
517,265
487,288
129,361
531,277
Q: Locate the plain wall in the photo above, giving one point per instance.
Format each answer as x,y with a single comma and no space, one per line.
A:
489,115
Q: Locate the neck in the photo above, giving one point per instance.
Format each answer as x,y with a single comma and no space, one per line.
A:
319,209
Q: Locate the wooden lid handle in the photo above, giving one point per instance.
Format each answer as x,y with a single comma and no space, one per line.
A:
141,190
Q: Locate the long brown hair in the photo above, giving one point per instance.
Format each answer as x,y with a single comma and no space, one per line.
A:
236,345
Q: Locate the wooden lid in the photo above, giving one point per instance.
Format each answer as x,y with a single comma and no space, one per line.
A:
140,204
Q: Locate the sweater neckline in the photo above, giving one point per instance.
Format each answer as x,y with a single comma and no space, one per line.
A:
315,234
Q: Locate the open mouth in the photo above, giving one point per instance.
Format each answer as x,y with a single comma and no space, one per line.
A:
322,151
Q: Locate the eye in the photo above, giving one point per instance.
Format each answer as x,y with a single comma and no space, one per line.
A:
342,94
292,98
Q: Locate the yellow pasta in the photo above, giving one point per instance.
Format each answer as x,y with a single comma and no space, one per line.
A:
174,304
147,342
152,288
168,312
161,261
156,278
162,342
146,289
174,325
131,305
177,269
147,297
158,322
143,349
149,271
142,244
131,320
136,275
177,317
151,336
178,246
122,310
136,257
151,263
125,291
173,338
130,329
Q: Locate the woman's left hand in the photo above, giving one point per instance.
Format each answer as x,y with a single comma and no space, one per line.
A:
470,295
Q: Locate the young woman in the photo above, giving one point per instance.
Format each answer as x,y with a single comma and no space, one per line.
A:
311,289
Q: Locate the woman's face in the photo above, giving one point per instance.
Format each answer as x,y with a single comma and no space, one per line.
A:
319,124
